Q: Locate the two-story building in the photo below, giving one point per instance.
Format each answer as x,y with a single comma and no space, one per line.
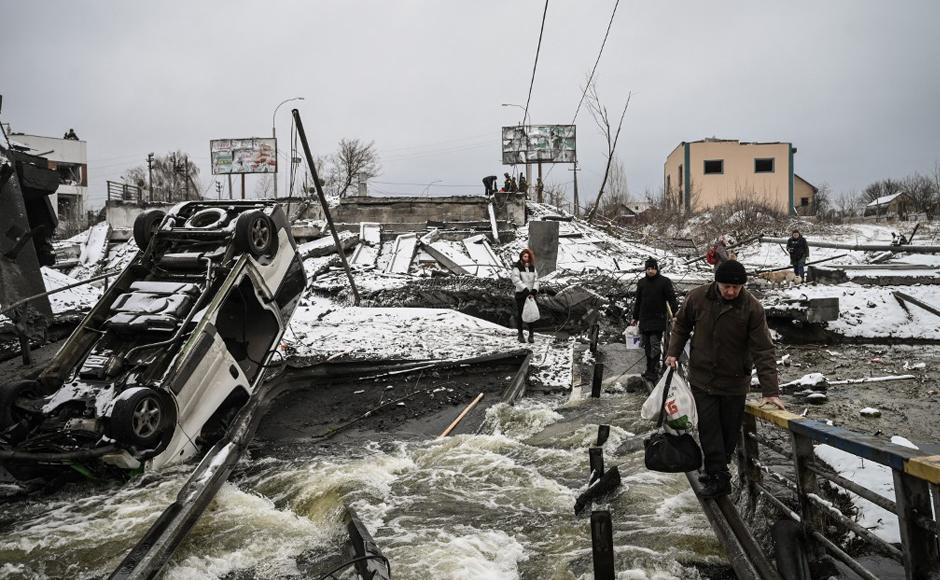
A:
707,173
67,156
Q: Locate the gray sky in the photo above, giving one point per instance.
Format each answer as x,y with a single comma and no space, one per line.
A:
854,84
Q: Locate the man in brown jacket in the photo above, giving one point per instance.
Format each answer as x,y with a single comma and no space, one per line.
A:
731,337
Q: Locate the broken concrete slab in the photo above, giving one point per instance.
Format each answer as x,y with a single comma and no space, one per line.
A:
95,247
439,252
484,262
402,253
326,246
543,241
370,233
364,256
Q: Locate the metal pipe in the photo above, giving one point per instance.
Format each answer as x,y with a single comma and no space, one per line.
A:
855,488
871,538
861,247
832,548
460,417
57,290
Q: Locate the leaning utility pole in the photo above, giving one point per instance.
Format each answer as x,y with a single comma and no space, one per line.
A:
577,210
150,171
326,207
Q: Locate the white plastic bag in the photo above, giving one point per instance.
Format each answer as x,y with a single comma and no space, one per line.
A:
633,337
530,312
681,414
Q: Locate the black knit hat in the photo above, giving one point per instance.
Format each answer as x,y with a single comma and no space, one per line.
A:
731,272
651,263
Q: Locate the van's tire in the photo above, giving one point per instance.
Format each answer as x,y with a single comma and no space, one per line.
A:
256,234
10,416
141,418
145,226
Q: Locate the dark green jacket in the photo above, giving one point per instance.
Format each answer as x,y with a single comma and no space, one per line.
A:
730,339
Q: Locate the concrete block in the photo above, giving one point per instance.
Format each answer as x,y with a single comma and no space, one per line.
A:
543,241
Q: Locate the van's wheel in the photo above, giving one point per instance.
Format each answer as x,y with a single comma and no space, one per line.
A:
14,422
256,234
145,226
141,418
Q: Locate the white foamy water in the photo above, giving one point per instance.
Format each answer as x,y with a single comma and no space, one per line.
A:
496,506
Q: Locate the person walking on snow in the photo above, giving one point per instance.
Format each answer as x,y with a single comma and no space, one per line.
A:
731,337
525,279
654,292
799,252
721,251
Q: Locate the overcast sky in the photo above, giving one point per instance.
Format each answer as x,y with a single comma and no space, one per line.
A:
854,84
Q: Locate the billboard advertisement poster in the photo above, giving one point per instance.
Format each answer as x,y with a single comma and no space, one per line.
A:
533,143
251,155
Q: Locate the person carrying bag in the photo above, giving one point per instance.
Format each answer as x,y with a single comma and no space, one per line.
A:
667,452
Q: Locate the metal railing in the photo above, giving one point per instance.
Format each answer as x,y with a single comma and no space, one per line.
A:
916,478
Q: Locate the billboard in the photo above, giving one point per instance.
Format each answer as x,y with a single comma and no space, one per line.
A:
251,155
534,143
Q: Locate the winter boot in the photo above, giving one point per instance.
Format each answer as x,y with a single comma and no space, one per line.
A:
649,374
531,338
718,484
521,337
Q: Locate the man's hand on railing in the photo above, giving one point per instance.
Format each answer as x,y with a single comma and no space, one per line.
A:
773,401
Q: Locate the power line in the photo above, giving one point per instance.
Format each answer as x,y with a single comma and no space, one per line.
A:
593,70
535,65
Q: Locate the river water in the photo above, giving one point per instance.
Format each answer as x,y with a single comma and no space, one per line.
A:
498,505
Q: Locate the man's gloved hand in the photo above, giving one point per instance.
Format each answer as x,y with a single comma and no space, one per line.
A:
672,361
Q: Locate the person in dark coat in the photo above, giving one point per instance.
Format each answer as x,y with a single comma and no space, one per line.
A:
799,252
525,281
654,292
523,184
489,183
507,182
731,337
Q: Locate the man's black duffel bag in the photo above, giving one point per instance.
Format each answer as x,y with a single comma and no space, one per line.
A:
671,453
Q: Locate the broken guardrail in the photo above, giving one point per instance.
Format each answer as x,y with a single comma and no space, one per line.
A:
916,485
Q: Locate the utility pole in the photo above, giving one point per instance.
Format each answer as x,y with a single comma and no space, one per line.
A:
540,181
218,190
186,174
150,172
577,206
230,186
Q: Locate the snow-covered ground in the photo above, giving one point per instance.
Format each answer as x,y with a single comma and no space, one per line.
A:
324,329
874,476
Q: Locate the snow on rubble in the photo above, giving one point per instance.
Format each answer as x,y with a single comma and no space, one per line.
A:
323,329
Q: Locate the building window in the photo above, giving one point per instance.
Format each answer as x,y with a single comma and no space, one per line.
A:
680,176
668,185
714,166
764,165
804,202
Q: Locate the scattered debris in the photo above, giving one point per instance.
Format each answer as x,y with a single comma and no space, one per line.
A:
870,412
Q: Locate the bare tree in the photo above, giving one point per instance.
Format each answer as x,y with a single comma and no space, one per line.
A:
618,194
264,187
175,177
353,160
602,120
923,192
822,201
554,194
848,203
881,188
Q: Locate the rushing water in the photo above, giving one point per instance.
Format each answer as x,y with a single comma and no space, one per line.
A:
467,507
